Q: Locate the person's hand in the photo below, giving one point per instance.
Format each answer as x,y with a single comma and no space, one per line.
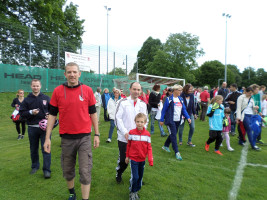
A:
46,115
47,145
189,121
237,121
195,116
256,107
126,136
96,141
151,164
127,160
231,102
161,123
35,111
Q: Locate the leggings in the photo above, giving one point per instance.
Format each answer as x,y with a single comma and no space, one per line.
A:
22,127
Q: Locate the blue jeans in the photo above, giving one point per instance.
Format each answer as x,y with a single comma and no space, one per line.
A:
152,122
251,137
35,134
111,128
232,121
191,130
172,138
137,172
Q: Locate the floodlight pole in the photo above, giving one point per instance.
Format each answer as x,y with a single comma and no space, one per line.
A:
108,9
225,70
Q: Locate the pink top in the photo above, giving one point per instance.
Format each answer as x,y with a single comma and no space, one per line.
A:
227,129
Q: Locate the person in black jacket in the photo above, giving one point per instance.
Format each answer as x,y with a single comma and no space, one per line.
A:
224,92
231,99
154,100
105,98
16,104
34,108
189,102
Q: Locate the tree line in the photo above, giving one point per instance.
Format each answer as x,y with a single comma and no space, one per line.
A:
177,58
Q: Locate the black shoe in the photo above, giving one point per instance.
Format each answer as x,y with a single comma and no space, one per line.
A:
47,174
19,137
33,171
22,137
72,197
256,148
118,178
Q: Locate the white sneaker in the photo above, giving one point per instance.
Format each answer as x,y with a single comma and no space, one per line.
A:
230,149
108,140
221,145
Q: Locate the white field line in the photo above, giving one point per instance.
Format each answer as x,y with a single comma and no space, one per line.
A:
239,173
256,165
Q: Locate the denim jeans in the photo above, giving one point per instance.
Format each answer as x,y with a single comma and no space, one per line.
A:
111,128
191,130
251,137
137,172
232,121
36,134
152,123
172,138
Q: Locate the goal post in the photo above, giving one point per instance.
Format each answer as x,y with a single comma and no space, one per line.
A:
158,79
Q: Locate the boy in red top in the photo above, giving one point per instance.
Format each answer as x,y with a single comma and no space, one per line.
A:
138,148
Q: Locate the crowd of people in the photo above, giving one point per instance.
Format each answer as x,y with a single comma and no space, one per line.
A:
79,109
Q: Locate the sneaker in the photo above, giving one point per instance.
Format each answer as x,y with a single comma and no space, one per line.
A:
47,175
178,156
180,143
163,134
108,140
207,147
19,137
191,144
233,133
33,171
221,145
118,178
256,148
218,152
22,137
260,142
137,196
166,149
72,197
132,196
241,143
230,149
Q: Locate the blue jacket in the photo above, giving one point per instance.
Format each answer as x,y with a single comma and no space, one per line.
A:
216,121
168,110
32,102
190,108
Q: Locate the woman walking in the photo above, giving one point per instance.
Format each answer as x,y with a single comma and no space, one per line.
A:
16,104
189,102
154,100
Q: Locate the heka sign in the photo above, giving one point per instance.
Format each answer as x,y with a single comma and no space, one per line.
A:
82,61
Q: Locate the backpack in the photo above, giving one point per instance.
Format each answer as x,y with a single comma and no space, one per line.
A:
255,123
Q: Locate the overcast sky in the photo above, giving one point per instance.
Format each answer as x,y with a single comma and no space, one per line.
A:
132,22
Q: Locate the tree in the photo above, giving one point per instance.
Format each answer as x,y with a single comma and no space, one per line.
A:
236,73
248,76
261,75
146,54
48,21
118,72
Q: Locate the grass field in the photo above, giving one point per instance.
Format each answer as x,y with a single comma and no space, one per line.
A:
201,175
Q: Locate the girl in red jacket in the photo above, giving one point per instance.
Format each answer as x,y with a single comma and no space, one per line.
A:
138,148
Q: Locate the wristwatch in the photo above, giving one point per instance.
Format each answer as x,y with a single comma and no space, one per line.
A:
97,134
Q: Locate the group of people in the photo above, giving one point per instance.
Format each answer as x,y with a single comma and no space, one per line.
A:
79,110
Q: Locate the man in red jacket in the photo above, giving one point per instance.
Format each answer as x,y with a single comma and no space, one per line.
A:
75,104
138,148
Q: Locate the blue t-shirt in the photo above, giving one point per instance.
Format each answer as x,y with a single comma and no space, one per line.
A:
216,121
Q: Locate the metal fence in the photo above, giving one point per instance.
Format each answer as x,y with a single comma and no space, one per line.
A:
21,45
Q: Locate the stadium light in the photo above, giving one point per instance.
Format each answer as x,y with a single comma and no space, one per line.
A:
225,70
108,9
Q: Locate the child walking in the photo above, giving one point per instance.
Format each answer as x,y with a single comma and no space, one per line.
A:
216,114
138,148
227,128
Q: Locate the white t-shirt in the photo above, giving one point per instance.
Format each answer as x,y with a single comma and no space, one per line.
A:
177,109
249,109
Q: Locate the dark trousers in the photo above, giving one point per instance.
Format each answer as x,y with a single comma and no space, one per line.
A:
197,108
215,135
233,123
252,136
204,108
22,127
137,172
172,138
242,133
121,160
111,128
106,117
36,134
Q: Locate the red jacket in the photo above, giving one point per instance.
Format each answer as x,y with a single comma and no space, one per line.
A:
139,146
